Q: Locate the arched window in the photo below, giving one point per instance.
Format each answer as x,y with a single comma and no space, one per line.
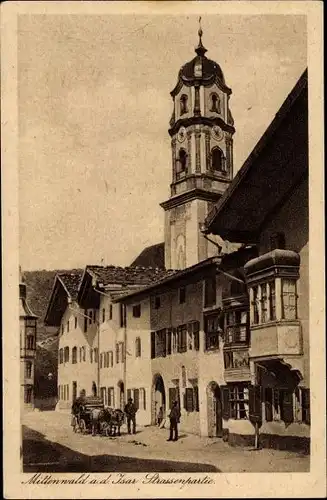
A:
74,355
138,347
217,159
181,164
66,354
183,104
215,103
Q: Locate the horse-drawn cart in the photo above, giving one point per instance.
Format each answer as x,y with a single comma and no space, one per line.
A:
86,414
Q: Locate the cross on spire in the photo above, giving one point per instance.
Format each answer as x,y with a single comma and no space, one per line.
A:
200,49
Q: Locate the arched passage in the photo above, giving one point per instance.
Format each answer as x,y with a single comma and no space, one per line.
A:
215,422
158,397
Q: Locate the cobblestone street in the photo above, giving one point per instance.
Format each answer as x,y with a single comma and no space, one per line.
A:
49,445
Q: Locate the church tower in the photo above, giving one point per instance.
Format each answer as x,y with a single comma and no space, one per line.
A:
201,130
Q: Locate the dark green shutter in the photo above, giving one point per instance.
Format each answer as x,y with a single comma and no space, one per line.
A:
225,398
153,345
255,413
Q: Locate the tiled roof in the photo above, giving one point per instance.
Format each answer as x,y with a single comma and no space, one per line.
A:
152,256
71,282
135,275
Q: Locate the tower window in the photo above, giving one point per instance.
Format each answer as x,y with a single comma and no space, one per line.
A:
215,103
217,160
183,104
181,164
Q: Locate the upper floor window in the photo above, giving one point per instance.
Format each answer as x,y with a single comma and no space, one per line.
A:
210,291
61,356
289,299
67,326
183,104
103,315
137,311
66,354
110,312
30,342
122,315
90,315
236,326
157,302
182,295
74,355
96,355
62,329
217,159
212,330
75,321
28,369
214,103
181,164
138,347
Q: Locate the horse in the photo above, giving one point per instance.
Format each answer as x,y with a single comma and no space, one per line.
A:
110,421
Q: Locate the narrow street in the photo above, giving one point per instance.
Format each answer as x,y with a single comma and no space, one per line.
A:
49,445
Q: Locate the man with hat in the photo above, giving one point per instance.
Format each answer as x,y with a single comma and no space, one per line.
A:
130,410
174,417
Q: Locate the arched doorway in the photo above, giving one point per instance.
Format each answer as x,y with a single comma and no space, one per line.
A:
158,397
121,395
215,421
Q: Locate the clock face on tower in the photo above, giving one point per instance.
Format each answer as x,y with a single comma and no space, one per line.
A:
217,133
181,134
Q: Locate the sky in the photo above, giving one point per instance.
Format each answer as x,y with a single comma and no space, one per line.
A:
93,111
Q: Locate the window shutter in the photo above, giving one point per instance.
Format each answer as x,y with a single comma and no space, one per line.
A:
287,406
129,394
196,398
306,406
153,345
268,404
255,413
179,339
185,401
168,338
164,343
189,399
226,407
144,399
196,333
137,398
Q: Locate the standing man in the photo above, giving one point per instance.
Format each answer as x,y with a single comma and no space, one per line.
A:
130,410
174,417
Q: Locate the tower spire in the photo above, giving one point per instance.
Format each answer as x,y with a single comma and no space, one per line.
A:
200,49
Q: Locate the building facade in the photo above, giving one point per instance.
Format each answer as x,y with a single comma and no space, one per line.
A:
27,325
274,214
223,329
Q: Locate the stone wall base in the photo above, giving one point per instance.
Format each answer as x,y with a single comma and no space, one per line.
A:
274,441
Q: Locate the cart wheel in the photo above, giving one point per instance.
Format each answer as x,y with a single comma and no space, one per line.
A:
82,425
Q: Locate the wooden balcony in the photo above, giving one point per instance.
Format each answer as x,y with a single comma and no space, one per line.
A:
240,374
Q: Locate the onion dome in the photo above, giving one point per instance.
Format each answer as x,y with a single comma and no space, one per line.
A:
201,68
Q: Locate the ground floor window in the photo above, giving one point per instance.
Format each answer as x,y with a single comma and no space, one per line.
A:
236,402
191,399
173,396
287,405
28,393
111,397
138,396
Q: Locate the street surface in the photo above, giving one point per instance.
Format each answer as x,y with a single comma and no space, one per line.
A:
49,445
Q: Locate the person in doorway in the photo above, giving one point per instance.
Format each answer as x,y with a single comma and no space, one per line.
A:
130,411
160,416
174,417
